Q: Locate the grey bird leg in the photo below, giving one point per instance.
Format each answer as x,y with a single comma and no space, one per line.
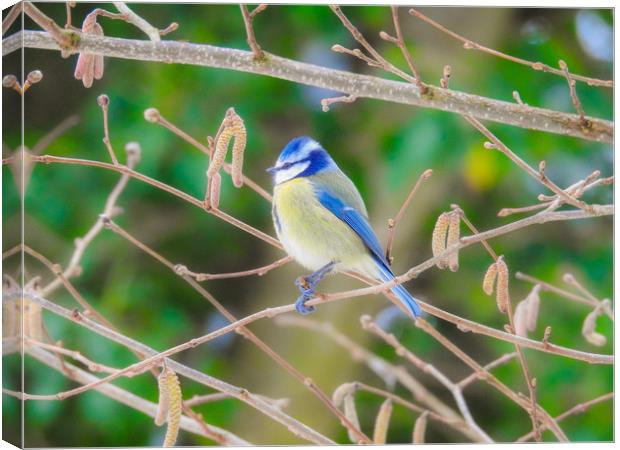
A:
307,287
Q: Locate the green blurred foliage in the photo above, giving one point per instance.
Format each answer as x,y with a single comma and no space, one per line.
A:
382,146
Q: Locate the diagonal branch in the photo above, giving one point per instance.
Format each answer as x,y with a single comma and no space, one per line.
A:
471,45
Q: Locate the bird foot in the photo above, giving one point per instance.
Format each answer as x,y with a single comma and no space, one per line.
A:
300,305
306,288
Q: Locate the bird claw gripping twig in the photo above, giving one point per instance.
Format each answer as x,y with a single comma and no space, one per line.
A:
307,287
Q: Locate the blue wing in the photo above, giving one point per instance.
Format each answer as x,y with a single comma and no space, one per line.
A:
355,220
358,223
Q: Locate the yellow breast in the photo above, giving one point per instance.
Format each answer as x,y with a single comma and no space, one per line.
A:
309,232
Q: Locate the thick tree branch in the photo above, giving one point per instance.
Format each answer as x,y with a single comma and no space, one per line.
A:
346,82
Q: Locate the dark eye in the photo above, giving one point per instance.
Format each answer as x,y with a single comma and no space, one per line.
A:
286,165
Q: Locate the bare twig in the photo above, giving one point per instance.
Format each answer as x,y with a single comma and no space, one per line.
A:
393,223
91,365
468,44
573,93
109,210
13,14
260,271
400,42
538,175
248,18
104,102
139,22
327,102
65,39
376,60
580,408
492,365
139,176
517,97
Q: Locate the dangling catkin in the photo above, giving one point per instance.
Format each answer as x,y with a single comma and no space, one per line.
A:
589,326
419,429
169,407
520,318
232,127
238,150
214,193
501,289
454,233
489,279
340,392
533,305
382,422
351,414
438,242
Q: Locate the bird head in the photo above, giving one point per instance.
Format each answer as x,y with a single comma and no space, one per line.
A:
302,157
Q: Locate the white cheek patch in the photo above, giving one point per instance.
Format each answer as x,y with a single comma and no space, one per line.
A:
291,172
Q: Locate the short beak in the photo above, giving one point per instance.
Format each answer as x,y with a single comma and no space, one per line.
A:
272,170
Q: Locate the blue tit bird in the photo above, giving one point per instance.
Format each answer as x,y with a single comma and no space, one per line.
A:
321,221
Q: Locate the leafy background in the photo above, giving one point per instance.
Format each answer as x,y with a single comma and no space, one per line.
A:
382,146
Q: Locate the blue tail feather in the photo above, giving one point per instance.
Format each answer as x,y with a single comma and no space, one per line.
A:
399,291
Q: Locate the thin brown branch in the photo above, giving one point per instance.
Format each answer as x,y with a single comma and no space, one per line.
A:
490,366
327,102
471,45
577,409
359,386
131,17
474,230
91,365
13,14
110,210
376,60
260,271
104,103
249,30
393,223
400,42
553,202
538,175
573,93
